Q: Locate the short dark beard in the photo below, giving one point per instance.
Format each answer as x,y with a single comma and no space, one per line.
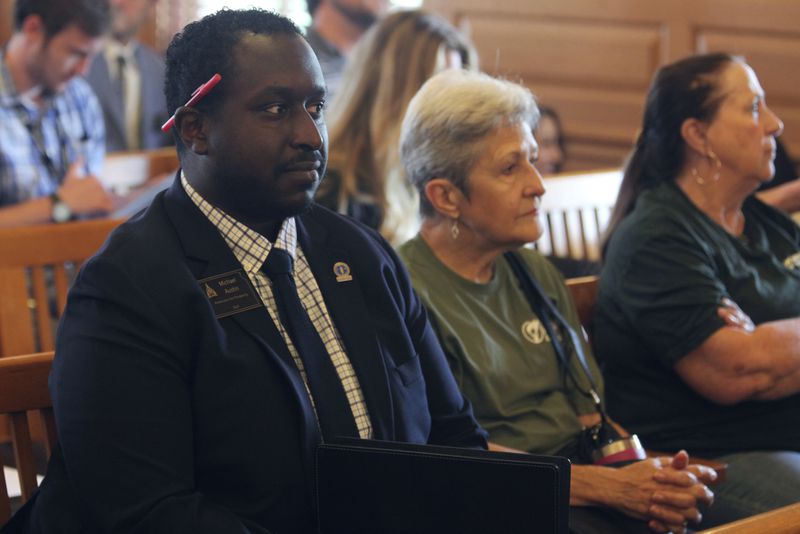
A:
360,17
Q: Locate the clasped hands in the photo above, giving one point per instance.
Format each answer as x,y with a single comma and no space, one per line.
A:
665,491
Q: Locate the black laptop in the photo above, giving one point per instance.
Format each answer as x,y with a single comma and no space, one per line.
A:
366,486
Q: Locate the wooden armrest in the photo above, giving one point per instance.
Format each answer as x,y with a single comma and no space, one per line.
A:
720,467
784,520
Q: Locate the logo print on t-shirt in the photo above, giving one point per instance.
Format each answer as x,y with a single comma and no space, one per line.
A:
792,262
534,332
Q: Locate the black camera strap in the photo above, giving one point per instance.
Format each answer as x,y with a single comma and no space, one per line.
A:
548,313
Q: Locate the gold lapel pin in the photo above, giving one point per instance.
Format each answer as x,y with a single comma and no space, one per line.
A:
342,271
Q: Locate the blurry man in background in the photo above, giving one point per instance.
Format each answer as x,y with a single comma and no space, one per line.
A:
336,26
128,78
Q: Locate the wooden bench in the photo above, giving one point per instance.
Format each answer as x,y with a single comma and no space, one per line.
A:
577,208
784,520
23,388
37,264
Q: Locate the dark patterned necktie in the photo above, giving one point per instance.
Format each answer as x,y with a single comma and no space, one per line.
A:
119,82
330,400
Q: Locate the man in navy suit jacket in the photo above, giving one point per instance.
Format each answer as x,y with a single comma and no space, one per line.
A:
131,89
178,400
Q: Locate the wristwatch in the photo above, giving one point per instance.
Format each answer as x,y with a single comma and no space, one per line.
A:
60,211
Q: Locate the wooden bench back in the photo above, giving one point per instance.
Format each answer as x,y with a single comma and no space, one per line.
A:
37,264
784,520
23,388
577,208
584,295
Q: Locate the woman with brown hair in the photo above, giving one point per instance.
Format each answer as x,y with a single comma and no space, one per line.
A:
388,66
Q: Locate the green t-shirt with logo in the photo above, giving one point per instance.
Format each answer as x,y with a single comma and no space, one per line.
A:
666,269
500,353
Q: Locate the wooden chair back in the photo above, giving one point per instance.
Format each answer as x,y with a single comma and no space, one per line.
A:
784,520
23,388
37,264
577,208
584,295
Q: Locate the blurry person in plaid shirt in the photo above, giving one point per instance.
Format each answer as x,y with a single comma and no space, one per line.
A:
51,126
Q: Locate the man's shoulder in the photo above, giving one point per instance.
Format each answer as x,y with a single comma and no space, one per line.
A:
341,228
148,58
143,239
658,214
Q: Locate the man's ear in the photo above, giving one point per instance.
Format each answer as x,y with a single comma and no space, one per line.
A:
694,133
33,27
190,125
445,197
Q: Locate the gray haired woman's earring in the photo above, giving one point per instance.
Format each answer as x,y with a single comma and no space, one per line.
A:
454,230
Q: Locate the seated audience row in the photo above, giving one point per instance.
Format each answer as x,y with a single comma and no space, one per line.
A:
725,263
209,348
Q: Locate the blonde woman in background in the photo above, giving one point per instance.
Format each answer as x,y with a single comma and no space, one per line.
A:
395,57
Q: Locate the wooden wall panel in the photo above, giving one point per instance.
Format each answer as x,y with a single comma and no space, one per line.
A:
6,19
776,59
600,121
622,56
593,61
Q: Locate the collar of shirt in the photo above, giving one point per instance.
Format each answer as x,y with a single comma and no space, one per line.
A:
113,50
248,246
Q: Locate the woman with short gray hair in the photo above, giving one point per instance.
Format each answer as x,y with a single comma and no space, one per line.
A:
467,145
442,132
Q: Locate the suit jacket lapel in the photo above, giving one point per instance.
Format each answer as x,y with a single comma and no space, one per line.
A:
345,303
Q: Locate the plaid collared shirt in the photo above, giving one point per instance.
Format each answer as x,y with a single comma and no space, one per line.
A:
38,145
251,249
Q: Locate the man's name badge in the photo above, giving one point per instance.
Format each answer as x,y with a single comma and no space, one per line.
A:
230,293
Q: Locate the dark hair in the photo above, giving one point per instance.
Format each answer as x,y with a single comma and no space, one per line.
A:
312,6
682,90
205,47
93,17
550,113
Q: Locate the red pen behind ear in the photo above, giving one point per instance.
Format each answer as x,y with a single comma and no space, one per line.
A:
197,95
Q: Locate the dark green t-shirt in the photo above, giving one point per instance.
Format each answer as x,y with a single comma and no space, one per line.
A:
667,267
499,351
